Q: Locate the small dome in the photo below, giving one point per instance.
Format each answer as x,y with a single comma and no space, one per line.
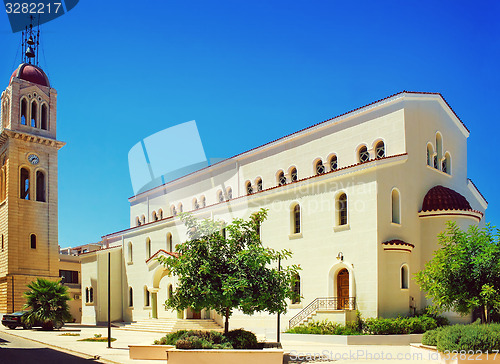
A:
30,73
442,198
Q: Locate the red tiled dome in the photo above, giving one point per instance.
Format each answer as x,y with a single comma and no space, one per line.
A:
31,73
442,198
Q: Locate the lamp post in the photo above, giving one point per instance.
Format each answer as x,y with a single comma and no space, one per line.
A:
278,331
109,299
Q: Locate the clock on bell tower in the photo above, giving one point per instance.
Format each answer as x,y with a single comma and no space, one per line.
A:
28,179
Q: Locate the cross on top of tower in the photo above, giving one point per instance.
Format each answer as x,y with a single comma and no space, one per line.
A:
30,43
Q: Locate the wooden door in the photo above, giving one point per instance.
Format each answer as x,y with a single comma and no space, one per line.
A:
343,290
197,315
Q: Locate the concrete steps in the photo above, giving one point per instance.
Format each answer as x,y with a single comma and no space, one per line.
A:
168,325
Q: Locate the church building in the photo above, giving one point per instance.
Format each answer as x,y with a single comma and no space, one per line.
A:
359,199
28,181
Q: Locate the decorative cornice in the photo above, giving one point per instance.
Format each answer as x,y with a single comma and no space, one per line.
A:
26,137
445,213
398,246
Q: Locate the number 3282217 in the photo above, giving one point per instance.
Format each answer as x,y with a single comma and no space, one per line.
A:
32,8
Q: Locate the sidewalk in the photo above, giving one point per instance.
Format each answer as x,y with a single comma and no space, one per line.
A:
117,354
301,351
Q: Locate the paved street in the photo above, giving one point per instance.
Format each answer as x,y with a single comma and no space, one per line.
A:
17,350
43,346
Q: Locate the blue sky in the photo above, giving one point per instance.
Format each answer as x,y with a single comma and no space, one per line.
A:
248,72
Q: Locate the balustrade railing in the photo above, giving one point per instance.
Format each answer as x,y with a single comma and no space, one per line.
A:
325,304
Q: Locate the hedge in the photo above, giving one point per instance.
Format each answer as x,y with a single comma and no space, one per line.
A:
476,337
373,326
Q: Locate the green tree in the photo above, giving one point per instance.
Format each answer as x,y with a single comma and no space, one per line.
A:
226,268
465,272
47,302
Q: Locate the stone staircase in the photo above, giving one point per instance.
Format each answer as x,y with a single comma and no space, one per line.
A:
165,326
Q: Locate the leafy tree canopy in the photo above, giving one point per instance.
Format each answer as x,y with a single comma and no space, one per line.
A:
226,268
465,272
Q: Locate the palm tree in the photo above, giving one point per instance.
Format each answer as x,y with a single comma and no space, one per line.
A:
47,303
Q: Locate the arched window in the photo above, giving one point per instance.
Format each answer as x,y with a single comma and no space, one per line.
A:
154,216
2,184
446,165
45,118
130,253
170,291
180,208
404,277
173,210
130,297
439,146
363,155
196,205
229,193
137,221
342,209
87,295
34,115
220,196
24,112
160,214
147,298
319,167
248,187
380,150
143,219
169,242
293,175
25,184
396,207
148,248
40,186
258,183
296,219
33,241
5,112
281,178
296,289
430,154
91,295
333,163
203,201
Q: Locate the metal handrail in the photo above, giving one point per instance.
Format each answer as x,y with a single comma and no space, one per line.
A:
324,303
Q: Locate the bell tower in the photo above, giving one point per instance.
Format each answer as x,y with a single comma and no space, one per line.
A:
28,179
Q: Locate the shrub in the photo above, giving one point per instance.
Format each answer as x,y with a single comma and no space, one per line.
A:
327,328
469,337
400,325
241,339
381,326
170,339
193,342
430,337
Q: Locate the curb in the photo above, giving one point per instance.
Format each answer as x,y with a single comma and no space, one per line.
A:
68,351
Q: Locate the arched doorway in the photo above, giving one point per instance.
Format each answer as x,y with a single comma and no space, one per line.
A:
343,289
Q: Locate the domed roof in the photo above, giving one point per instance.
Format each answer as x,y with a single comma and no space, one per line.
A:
30,73
443,198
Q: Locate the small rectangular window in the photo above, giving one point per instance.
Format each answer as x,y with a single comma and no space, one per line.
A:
69,276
